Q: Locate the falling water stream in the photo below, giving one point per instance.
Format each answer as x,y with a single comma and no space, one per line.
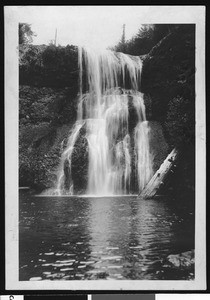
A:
112,84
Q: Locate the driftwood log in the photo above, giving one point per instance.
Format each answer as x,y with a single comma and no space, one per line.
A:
157,181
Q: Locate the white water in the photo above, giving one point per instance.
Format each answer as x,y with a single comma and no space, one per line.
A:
66,157
104,111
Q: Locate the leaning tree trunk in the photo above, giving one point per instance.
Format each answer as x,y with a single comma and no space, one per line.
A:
157,181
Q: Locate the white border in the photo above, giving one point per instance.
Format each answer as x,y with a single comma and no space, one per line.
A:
182,296
155,14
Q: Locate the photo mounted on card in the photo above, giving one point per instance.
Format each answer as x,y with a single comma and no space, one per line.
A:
105,147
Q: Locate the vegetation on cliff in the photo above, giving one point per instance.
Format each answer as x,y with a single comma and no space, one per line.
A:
147,37
48,66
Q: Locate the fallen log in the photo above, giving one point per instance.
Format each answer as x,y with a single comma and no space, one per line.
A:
157,181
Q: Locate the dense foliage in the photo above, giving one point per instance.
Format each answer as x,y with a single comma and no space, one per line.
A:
49,66
25,34
168,77
147,37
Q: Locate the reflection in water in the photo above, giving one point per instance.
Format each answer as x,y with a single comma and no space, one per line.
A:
100,238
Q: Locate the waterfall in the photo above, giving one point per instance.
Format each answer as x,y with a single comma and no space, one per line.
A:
115,151
64,182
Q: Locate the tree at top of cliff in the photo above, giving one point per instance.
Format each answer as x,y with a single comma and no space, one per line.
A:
146,38
25,34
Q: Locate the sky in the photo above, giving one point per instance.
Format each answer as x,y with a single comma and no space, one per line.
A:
96,26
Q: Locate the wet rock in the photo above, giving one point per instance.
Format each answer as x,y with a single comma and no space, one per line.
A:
158,145
79,163
66,170
183,260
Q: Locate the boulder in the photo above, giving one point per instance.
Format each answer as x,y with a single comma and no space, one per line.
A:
184,260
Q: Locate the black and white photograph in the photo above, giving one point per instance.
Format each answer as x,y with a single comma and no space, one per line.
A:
105,147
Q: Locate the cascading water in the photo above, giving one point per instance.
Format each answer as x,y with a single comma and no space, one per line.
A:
104,112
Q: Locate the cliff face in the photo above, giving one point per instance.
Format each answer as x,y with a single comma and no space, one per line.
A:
168,82
48,78
168,79
48,103
46,116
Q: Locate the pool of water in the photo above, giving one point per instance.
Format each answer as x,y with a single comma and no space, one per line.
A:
122,238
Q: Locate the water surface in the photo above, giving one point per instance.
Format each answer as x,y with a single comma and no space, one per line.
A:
73,238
